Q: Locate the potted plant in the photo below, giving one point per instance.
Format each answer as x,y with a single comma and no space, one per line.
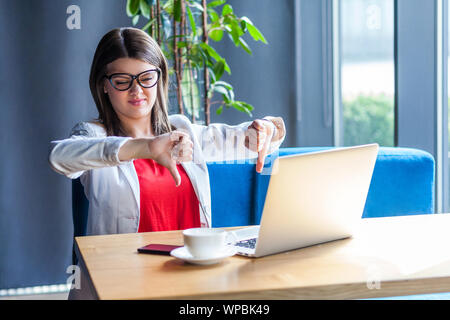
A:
183,29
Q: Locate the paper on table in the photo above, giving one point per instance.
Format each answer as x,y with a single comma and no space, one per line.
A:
409,254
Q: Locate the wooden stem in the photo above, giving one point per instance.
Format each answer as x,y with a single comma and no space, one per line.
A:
191,86
151,18
158,21
177,68
206,74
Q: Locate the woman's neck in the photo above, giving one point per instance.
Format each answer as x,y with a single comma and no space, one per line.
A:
138,128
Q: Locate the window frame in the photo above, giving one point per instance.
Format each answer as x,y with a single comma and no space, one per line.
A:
421,78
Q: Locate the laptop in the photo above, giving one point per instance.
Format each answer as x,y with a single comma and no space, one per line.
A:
312,198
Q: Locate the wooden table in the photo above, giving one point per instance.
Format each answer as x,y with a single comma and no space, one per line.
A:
387,257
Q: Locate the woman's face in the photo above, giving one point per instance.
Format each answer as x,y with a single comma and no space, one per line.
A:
137,102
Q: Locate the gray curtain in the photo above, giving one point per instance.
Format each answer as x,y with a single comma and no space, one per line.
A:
44,91
265,79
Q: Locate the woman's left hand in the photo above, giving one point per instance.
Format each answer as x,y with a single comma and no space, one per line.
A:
258,137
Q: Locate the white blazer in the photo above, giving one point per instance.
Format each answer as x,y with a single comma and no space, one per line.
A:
112,186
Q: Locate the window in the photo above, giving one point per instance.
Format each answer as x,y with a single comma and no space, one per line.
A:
367,71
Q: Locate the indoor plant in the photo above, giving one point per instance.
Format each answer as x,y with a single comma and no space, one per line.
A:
183,29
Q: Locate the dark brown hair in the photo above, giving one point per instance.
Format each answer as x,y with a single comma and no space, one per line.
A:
128,43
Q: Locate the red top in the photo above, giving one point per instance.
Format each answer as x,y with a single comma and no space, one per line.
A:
164,206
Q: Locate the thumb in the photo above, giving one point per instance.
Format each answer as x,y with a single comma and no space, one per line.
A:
260,161
262,156
174,172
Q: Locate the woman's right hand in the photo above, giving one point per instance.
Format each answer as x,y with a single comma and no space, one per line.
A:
167,149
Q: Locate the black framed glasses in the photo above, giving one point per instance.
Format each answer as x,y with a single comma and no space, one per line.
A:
124,81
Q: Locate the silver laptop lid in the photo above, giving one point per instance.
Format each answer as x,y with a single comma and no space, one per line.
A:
315,197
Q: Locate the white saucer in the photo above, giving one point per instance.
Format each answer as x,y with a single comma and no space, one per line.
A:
183,254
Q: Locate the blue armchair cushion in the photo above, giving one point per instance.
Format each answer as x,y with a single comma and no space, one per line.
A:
232,194
402,183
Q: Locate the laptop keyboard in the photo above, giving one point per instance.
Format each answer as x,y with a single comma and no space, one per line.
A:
249,243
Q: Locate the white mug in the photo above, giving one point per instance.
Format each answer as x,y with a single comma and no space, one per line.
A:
205,242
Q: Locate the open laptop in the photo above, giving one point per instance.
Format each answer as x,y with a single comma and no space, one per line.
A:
311,198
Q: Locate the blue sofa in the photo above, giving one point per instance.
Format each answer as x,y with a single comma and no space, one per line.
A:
402,184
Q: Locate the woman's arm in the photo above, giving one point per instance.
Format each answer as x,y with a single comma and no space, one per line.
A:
134,149
85,150
222,142
167,149
264,136
280,131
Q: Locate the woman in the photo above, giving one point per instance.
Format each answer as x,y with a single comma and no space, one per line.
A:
143,170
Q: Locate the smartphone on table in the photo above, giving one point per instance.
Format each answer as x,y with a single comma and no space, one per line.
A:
157,248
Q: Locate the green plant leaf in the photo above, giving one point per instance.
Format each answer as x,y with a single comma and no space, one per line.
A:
200,55
227,67
195,65
210,50
216,34
239,107
213,53
254,31
243,25
191,21
213,16
221,90
145,8
226,91
177,10
256,34
135,20
191,99
148,24
219,68
181,44
242,106
233,36
219,110
226,100
246,20
168,7
234,29
132,7
231,94
212,78
245,46
215,3
226,10
199,52
197,6
246,105
224,84
203,58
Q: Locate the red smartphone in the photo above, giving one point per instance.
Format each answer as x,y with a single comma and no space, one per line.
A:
156,248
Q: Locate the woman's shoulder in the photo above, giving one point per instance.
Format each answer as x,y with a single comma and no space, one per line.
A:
89,128
97,125
179,121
